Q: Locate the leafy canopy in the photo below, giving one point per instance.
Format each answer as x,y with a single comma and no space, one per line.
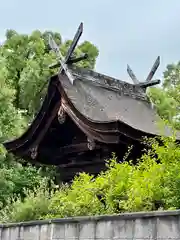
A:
167,97
24,61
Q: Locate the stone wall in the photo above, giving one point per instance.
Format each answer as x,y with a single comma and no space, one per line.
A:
135,226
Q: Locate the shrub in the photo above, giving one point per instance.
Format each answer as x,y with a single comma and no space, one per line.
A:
34,206
15,179
152,184
79,199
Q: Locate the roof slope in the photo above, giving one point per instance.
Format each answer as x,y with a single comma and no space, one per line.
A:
101,100
106,110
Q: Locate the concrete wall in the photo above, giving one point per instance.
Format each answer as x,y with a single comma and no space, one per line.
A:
135,226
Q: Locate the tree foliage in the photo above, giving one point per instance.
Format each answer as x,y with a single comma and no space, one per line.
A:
167,97
27,58
24,71
27,192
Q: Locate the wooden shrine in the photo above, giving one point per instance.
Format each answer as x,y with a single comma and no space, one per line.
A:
86,116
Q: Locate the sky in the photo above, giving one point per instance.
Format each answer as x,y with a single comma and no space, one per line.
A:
125,31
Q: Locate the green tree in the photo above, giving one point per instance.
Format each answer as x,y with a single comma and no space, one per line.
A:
167,97
27,60
166,106
24,61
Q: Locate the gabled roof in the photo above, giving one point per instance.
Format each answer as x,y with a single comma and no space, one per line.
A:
98,104
92,109
101,99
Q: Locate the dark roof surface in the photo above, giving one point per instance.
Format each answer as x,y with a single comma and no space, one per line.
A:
102,99
102,107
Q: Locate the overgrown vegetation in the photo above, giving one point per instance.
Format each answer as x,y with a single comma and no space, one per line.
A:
153,184
24,74
28,192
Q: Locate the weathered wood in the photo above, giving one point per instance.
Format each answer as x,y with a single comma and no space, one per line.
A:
64,61
149,83
74,148
153,69
132,75
93,120
74,43
81,164
78,59
61,60
149,77
71,61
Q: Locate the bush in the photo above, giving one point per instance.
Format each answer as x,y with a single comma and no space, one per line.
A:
15,179
79,199
152,184
34,206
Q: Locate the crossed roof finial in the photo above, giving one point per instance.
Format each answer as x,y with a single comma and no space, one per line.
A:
148,82
68,59
63,62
